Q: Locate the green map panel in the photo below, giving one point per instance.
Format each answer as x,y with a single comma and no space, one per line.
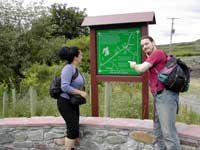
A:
115,47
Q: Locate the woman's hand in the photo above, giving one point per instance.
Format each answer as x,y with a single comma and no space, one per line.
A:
83,94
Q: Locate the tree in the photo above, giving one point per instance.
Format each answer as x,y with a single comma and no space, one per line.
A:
13,12
7,40
32,34
15,43
49,33
44,45
67,21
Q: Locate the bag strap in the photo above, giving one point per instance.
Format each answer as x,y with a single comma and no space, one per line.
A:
75,75
157,72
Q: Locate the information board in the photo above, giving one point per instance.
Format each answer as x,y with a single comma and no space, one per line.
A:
115,47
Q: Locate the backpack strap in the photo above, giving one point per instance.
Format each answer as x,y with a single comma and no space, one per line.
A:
157,72
75,75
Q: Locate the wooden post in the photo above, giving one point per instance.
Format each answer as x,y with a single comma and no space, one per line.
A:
107,99
33,100
90,95
14,100
94,82
145,84
5,101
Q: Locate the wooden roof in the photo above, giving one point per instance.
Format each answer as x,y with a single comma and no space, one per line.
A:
143,17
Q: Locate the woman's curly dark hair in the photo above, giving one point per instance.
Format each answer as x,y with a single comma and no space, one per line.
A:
68,53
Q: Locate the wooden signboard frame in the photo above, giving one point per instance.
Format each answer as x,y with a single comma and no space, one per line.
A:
121,21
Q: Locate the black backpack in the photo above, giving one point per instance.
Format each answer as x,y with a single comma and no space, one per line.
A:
175,75
55,85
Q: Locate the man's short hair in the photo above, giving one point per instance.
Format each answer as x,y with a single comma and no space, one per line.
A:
147,37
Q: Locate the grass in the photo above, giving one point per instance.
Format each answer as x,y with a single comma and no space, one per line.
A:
125,102
128,104
187,115
194,86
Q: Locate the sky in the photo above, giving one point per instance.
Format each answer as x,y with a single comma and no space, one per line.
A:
187,12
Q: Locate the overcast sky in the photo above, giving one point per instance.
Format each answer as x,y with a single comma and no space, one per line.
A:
187,27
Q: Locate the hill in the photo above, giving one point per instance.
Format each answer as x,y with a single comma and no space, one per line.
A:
189,52
183,49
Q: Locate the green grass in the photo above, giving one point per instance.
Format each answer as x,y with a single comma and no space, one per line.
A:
125,102
187,115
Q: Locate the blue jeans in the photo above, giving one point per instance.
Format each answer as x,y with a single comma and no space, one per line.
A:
166,105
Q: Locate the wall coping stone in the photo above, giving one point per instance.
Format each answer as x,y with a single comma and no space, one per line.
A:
184,130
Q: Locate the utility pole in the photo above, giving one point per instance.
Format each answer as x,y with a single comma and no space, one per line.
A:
172,32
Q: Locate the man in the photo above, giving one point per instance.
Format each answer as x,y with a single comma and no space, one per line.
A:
165,101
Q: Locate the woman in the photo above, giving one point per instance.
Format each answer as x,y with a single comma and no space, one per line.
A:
69,112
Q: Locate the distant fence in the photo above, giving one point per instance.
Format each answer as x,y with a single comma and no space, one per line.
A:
32,94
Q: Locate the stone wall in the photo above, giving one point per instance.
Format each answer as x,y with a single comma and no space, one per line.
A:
41,133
